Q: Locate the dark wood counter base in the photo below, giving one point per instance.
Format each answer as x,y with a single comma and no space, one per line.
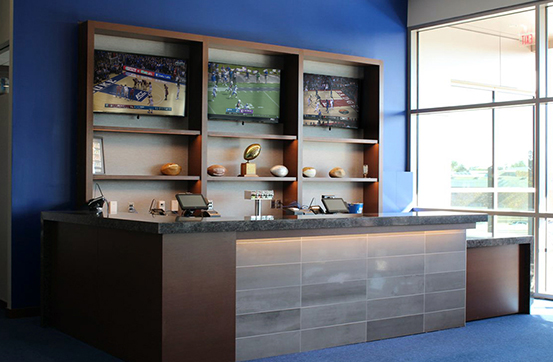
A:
498,281
133,294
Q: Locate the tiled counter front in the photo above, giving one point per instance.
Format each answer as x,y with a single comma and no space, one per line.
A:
301,294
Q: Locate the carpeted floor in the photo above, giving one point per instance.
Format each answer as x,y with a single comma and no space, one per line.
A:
512,338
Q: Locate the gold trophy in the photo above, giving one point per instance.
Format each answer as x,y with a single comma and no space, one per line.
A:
248,169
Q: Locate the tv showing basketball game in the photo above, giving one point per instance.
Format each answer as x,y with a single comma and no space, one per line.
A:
330,101
139,84
243,93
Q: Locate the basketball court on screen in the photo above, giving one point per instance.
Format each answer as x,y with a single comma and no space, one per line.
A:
108,98
343,105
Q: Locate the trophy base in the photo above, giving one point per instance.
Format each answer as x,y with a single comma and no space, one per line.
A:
247,170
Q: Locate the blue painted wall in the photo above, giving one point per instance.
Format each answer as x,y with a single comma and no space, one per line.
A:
45,84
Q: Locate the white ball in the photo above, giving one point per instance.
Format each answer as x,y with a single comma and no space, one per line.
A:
279,171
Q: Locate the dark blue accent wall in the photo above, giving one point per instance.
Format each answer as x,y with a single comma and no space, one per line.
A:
45,84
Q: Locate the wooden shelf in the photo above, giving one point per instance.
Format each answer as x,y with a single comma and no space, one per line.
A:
178,132
250,179
337,179
264,136
341,140
145,178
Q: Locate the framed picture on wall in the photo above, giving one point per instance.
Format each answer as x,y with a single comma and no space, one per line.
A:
98,167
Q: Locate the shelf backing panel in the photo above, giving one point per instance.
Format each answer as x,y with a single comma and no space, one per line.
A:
229,152
228,197
142,154
241,58
141,193
350,192
349,71
325,156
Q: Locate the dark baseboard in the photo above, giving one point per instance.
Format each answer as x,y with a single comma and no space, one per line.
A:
3,305
22,312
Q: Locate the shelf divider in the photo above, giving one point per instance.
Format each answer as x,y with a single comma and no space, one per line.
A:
341,140
265,136
145,178
251,179
337,179
178,132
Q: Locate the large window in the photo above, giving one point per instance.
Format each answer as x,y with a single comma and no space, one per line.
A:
482,133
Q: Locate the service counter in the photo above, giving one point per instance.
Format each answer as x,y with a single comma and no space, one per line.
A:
165,288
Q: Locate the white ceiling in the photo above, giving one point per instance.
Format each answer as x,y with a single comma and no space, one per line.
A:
510,26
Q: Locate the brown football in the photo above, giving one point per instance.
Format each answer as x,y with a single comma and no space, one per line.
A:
171,169
216,170
337,172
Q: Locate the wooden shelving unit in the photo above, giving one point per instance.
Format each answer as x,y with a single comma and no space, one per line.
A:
204,141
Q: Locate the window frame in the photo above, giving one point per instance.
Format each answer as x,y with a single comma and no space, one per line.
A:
539,215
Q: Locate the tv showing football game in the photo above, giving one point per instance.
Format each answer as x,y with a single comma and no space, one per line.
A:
243,93
330,101
139,84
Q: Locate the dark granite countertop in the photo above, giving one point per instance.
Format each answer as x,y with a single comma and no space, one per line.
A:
172,224
510,240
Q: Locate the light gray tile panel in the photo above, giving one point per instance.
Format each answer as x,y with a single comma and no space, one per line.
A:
334,271
438,242
333,336
395,307
444,300
395,244
328,315
280,251
394,327
334,293
254,301
444,320
445,281
333,248
267,346
248,325
395,266
445,262
256,277
378,288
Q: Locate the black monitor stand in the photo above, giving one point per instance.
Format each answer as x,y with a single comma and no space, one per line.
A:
188,212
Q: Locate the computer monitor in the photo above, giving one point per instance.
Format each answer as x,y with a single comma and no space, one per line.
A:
191,202
335,205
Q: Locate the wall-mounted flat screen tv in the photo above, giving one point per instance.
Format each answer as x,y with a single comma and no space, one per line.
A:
330,101
243,93
139,84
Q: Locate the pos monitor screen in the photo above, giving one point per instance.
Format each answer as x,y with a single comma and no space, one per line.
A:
191,202
335,205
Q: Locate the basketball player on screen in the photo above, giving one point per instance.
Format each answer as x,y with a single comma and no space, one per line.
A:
151,99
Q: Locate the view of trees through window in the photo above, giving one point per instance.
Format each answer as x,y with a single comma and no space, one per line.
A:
474,157
480,124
